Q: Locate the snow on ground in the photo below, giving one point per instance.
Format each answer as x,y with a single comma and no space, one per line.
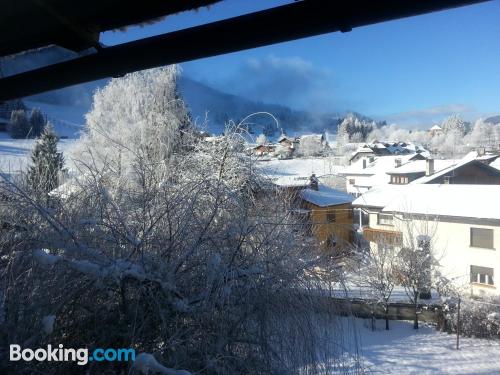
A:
15,153
299,167
405,351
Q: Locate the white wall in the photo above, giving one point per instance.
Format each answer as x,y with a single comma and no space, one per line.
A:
451,245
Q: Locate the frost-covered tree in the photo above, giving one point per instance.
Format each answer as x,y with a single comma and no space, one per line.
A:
46,162
311,145
165,243
19,125
261,139
455,124
37,122
378,273
483,134
415,267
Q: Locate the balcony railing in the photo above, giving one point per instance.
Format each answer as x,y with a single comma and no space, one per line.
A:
389,237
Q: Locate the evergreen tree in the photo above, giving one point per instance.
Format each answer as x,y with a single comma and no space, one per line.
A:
19,125
37,122
46,161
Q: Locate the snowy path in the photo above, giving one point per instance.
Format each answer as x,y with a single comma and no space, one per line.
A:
403,350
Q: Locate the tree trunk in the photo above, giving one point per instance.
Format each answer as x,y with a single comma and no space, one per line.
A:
386,311
373,319
415,323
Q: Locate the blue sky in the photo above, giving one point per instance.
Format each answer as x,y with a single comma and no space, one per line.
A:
413,71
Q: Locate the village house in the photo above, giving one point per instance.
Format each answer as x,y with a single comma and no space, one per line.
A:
262,150
469,170
326,213
377,148
409,172
372,171
462,223
435,130
287,142
330,216
368,150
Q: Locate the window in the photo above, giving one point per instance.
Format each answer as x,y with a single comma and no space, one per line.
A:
330,217
398,180
384,219
331,242
481,275
352,181
481,237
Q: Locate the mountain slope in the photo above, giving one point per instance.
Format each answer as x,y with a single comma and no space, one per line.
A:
209,107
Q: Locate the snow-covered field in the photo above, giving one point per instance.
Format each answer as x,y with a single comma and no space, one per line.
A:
403,350
15,153
299,167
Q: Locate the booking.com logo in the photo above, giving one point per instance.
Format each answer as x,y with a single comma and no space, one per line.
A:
62,354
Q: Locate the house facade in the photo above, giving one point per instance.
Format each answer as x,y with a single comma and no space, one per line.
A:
461,221
330,216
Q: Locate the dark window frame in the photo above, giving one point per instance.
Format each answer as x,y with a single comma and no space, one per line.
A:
329,216
478,241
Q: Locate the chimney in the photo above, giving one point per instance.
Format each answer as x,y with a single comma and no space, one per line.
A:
398,162
313,182
429,167
364,163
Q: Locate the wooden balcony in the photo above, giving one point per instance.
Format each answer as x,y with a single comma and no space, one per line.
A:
389,237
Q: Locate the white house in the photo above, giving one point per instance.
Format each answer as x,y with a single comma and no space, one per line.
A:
463,222
371,171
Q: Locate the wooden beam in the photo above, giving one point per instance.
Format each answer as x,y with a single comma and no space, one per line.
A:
288,22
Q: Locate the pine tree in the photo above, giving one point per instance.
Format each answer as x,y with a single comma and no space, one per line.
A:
46,161
19,125
37,122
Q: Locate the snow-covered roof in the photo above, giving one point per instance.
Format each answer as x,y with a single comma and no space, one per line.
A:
285,138
416,166
292,181
488,157
436,199
378,145
379,196
326,196
317,137
436,127
379,164
303,167
495,164
470,157
362,149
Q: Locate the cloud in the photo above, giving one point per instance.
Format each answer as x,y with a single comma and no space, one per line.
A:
430,115
291,81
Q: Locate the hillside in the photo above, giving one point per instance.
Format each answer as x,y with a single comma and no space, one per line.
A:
210,108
